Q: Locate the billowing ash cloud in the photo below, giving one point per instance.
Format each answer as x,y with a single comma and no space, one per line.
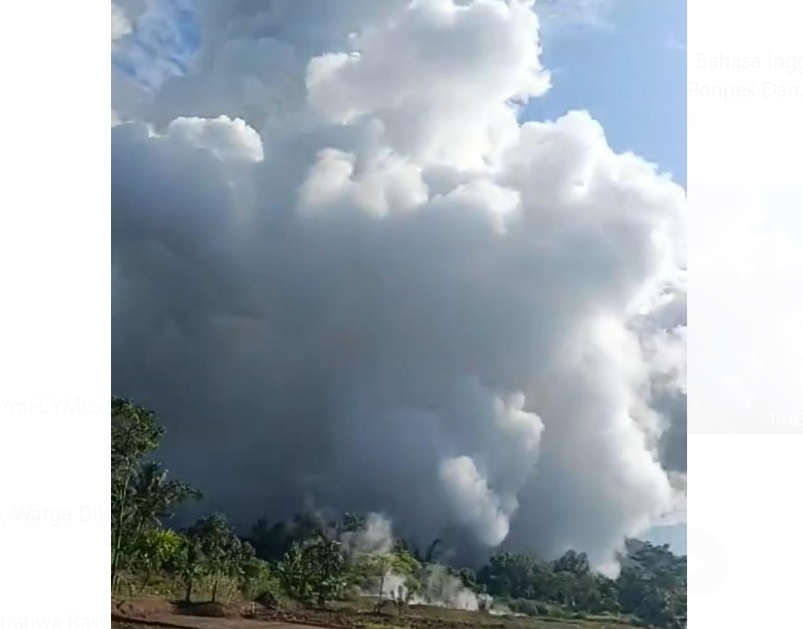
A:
345,275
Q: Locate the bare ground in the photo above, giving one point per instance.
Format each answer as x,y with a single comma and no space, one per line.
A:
152,612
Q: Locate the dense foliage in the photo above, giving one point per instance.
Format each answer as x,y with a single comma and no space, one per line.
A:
305,560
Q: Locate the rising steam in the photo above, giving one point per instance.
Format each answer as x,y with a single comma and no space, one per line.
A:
346,275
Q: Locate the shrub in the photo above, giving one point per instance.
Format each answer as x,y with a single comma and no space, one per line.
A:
528,607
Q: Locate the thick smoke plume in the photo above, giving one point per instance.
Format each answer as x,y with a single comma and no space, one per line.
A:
442,589
346,275
436,587
375,538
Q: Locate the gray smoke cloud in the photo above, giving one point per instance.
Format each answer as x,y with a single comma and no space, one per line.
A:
346,275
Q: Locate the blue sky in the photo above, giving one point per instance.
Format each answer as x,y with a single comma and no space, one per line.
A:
630,73
626,65
165,41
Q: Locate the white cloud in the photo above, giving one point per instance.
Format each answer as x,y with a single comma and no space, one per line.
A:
376,285
228,139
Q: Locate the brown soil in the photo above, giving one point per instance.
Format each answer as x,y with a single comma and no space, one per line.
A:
208,610
143,607
154,612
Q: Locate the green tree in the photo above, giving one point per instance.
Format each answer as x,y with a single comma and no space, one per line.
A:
155,496
189,562
652,585
329,575
141,494
313,570
271,542
574,562
135,434
256,578
468,578
295,574
405,593
157,548
220,546
309,526
606,595
515,575
353,523
380,566
562,587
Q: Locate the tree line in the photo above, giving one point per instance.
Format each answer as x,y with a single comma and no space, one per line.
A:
306,560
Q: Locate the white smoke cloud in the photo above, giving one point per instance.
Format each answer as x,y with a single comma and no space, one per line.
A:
375,538
436,586
473,502
441,589
344,271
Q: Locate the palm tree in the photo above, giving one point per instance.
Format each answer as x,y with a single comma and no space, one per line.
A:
154,495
